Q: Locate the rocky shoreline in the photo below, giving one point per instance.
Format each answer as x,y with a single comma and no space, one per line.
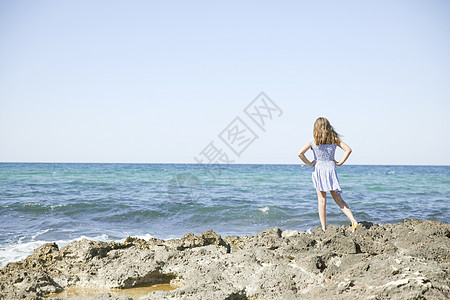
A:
408,260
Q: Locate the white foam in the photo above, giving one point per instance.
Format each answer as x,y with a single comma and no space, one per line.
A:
39,233
146,237
264,209
52,207
32,204
10,253
19,251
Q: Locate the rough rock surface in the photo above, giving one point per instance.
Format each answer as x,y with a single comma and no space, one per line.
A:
408,260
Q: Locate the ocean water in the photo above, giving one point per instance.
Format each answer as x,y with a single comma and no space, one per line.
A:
48,202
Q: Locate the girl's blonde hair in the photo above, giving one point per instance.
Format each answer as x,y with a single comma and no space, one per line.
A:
324,133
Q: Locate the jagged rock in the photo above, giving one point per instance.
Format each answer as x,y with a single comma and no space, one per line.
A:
408,260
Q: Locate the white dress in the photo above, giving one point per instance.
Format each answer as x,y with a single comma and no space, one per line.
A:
324,174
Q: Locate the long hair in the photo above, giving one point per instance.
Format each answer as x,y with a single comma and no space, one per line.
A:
324,133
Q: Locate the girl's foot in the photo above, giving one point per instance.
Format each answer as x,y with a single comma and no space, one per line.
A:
354,224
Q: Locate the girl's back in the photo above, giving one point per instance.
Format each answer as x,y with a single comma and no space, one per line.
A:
324,152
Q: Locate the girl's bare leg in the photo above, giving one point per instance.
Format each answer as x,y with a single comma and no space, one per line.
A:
322,202
341,203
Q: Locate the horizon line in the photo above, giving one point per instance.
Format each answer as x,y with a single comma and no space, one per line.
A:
194,163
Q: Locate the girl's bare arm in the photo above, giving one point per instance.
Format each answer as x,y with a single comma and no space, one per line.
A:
347,150
302,156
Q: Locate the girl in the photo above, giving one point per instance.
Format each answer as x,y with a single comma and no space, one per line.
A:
324,175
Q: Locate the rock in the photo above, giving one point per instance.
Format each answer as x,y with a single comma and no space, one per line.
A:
288,233
409,260
109,296
191,241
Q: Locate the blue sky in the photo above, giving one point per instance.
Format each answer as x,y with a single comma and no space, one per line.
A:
157,81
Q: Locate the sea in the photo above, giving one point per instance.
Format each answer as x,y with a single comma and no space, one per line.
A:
63,202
